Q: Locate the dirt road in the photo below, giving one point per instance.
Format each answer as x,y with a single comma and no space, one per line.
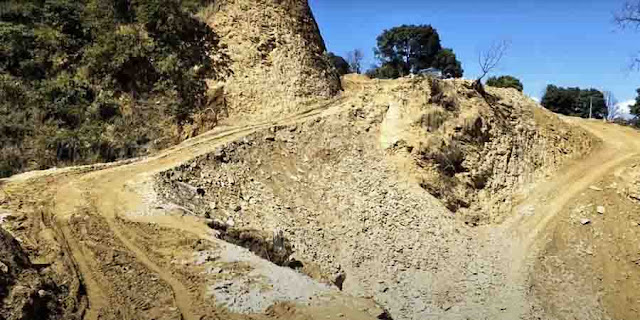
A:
547,206
122,270
128,264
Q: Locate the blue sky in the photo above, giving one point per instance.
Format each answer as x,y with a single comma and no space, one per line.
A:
562,42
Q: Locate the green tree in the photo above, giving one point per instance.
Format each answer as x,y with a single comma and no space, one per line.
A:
447,62
408,48
505,82
635,108
385,71
575,102
339,63
90,80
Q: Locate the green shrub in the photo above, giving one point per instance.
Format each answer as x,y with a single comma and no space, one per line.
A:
95,80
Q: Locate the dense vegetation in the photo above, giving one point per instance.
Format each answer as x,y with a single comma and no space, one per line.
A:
98,80
505,82
409,48
635,108
575,101
339,63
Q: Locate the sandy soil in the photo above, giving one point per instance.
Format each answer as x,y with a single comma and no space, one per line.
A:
141,262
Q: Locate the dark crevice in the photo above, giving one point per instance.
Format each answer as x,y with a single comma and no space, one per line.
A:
275,248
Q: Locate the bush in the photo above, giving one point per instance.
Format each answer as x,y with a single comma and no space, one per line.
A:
505,82
77,77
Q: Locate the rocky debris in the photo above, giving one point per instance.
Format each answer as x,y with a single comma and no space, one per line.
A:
472,155
275,248
585,221
262,285
347,206
25,291
601,209
349,218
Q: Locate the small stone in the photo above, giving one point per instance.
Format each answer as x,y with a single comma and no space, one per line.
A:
42,293
585,221
594,188
601,209
4,268
340,277
231,223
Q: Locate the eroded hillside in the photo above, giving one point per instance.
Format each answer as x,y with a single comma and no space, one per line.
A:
413,198
356,193
334,211
277,56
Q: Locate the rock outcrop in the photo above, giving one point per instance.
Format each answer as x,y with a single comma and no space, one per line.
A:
277,52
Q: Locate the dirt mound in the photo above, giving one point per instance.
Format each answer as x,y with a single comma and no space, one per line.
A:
350,190
476,154
277,52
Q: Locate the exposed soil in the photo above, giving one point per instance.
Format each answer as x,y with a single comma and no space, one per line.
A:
338,196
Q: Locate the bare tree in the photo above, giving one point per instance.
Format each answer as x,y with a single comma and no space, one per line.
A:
489,60
354,58
613,109
629,17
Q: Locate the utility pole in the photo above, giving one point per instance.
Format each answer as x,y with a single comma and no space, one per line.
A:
590,106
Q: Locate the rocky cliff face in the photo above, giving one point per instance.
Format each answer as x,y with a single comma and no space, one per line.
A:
277,52
477,155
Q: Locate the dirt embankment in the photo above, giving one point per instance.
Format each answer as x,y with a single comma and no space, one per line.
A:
278,56
477,156
356,193
338,198
588,266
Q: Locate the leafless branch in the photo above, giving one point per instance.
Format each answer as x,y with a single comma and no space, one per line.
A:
629,15
613,109
354,58
490,58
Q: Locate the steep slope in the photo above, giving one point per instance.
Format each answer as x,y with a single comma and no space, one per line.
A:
343,215
476,153
277,53
350,191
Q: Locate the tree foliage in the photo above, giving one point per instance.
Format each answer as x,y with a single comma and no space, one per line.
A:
505,82
386,71
575,101
80,79
635,108
339,63
410,48
447,62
